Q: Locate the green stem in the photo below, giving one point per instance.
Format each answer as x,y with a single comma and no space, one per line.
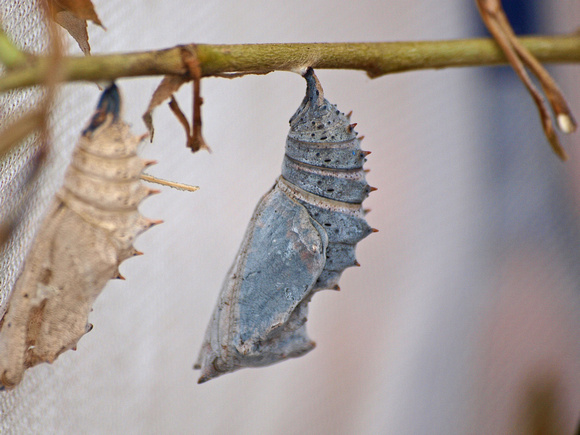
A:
376,59
10,55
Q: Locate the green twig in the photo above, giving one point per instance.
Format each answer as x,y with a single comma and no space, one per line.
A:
10,55
376,59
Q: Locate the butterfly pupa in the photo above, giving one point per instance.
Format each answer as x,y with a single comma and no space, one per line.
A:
300,239
87,232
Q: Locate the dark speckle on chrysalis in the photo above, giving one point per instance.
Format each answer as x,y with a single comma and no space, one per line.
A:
301,237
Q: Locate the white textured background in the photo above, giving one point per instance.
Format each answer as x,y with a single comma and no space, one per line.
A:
465,312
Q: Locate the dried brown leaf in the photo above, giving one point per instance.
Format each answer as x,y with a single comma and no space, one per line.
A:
76,27
72,15
82,9
168,86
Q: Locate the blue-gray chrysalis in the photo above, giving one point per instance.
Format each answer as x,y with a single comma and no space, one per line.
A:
301,237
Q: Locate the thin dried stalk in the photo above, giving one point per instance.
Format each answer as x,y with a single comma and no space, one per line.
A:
172,184
196,141
519,57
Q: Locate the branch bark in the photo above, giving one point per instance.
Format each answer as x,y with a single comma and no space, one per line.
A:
377,59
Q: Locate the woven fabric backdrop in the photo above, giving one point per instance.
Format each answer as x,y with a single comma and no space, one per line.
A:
464,316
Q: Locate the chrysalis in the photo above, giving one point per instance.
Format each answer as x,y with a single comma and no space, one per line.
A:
88,231
301,237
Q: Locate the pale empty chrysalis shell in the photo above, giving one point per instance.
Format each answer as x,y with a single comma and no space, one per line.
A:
300,239
87,232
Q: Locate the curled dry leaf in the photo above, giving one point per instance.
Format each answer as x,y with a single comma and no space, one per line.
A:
168,86
519,57
88,231
73,15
